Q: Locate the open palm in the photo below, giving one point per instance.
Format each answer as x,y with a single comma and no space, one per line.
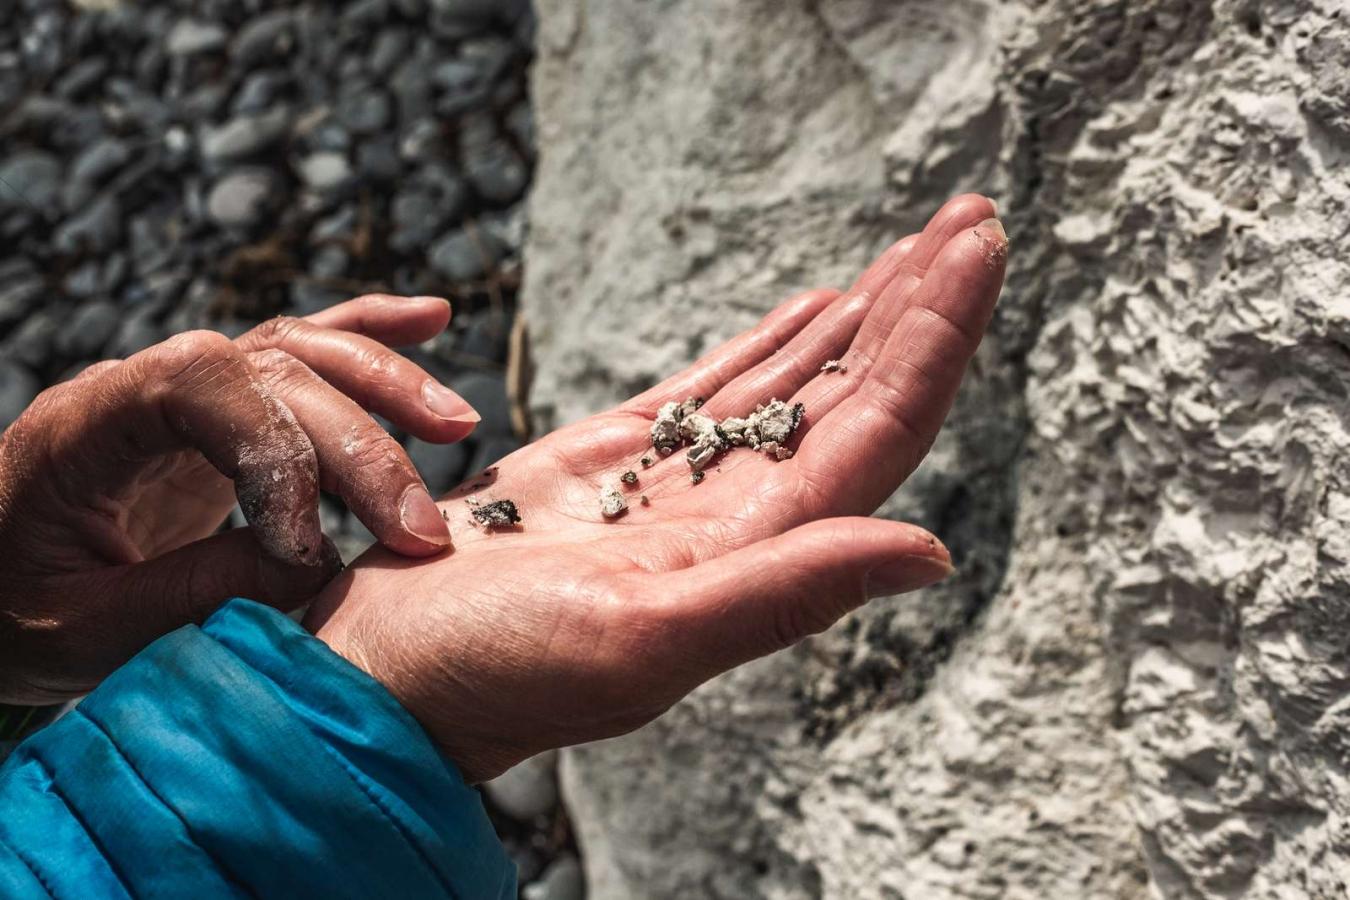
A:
571,626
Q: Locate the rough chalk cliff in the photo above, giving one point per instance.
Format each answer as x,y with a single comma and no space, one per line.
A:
1139,682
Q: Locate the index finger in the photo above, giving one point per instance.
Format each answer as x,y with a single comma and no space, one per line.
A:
393,321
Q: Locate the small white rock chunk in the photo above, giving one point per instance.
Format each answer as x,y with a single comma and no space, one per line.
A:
666,429
834,365
612,501
704,439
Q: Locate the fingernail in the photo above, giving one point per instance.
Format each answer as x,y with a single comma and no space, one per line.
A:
421,516
446,404
908,573
993,203
424,298
995,226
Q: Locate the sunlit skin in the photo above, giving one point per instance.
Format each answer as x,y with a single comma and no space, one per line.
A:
571,627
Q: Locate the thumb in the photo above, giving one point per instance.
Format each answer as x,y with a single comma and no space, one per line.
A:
770,595
146,600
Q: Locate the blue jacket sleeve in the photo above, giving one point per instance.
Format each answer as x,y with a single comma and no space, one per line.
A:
242,759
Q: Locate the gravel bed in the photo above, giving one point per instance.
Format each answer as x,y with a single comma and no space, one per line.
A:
213,163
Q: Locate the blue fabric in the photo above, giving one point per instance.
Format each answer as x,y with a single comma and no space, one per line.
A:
242,759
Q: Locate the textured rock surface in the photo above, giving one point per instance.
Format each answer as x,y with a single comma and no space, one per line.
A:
1137,684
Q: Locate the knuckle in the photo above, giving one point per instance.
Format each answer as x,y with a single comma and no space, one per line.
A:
370,448
194,357
279,370
376,363
278,330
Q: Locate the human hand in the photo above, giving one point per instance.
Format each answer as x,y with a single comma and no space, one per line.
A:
572,627
110,483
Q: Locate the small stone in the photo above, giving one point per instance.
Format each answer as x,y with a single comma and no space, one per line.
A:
367,13
697,476
94,165
629,477
189,37
647,462
330,262
391,45
267,36
527,790
18,296
96,229
642,498
30,179
706,441
245,135
135,333
326,172
834,365
241,199
378,159
665,429
364,111
257,92
562,880
492,166
461,256
612,502
85,334
496,514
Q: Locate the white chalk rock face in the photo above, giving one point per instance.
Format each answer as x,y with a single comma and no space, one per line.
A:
1139,682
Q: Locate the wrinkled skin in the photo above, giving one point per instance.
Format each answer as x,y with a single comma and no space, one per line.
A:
572,627
111,483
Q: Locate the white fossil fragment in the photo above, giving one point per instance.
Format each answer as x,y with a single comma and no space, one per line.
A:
612,501
766,430
775,421
834,365
704,439
666,429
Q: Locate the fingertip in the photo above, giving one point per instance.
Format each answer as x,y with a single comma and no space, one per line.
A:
454,416
286,585
437,310
422,519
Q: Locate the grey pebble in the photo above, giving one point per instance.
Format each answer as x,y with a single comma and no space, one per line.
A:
30,179
326,172
96,229
464,256
364,111
31,342
85,334
242,198
562,880
528,789
102,159
266,37
190,37
245,135
136,332
18,296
